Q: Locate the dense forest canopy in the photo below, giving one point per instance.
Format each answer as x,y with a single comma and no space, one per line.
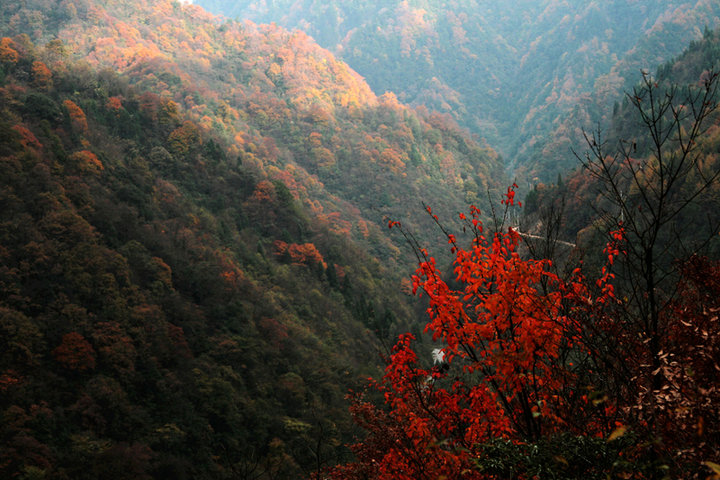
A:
196,267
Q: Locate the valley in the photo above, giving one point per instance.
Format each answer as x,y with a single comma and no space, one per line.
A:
358,240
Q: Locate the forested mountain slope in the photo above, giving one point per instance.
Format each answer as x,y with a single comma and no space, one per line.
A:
194,264
524,74
580,199
164,311
276,95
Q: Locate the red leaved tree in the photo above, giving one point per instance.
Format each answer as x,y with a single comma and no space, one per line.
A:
75,353
507,367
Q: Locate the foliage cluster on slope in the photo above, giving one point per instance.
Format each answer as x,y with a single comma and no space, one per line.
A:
284,105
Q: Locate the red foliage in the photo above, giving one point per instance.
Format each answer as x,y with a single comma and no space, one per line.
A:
75,353
305,254
502,372
510,196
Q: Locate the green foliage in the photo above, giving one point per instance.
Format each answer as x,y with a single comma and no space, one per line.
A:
559,457
38,105
580,189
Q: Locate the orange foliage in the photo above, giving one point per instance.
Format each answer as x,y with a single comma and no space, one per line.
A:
129,34
305,254
231,273
319,114
184,138
389,100
87,161
392,159
406,286
286,176
363,227
314,206
339,272
315,139
114,103
264,192
7,53
77,116
325,158
169,111
41,74
336,223
238,139
27,138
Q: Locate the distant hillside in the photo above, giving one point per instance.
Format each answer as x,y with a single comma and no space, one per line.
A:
526,74
579,195
194,257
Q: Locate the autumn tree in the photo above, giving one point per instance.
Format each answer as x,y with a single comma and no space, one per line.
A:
184,139
509,364
87,161
75,353
41,75
8,54
77,116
